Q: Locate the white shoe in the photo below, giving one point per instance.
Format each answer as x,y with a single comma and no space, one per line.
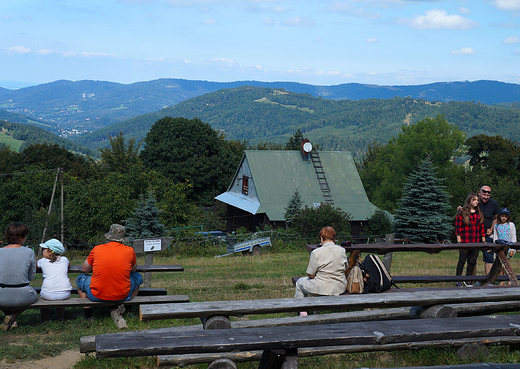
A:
303,313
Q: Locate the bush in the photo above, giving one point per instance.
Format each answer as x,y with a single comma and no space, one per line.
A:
310,221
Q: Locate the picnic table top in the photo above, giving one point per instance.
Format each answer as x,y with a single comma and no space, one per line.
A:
431,248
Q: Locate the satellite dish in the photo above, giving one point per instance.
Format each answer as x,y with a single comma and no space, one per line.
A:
307,147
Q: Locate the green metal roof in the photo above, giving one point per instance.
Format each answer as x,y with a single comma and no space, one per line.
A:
277,174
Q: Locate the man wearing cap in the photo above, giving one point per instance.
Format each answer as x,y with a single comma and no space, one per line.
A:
113,267
490,209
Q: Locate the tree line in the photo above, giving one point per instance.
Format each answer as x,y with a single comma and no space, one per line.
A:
182,163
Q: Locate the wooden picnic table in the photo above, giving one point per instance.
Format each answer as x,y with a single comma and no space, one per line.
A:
500,250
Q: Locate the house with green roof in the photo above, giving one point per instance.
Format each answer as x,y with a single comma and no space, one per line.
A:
266,180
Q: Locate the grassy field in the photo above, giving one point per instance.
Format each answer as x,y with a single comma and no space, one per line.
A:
9,140
228,278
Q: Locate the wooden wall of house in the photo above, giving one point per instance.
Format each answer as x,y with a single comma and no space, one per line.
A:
236,218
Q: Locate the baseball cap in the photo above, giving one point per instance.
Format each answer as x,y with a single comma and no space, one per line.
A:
53,245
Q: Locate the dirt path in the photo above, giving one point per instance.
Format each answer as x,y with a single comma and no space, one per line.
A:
65,360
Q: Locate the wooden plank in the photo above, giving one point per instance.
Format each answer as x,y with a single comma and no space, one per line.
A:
87,343
143,343
381,248
400,298
430,248
245,356
142,291
140,268
80,302
436,278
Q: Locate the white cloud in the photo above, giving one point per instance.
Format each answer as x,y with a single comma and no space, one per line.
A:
464,51
439,19
210,21
464,10
19,49
350,9
511,40
507,4
299,22
278,9
222,61
371,40
45,51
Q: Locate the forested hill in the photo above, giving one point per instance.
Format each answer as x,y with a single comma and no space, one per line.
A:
90,105
264,114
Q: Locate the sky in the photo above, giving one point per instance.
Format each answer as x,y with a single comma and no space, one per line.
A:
319,42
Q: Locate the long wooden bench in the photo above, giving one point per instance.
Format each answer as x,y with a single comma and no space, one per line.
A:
400,298
424,279
142,291
288,340
140,268
117,307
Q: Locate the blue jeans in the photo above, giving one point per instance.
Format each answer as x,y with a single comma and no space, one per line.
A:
488,257
83,283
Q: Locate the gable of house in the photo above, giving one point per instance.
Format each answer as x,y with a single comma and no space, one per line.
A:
272,177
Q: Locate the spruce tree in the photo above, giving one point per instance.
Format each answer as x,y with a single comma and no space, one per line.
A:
422,216
145,221
294,207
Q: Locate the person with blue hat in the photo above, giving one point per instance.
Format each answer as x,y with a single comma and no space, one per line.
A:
504,230
56,284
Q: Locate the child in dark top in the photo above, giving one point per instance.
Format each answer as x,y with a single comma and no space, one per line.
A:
469,228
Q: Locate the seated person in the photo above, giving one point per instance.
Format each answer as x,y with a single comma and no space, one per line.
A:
113,266
326,269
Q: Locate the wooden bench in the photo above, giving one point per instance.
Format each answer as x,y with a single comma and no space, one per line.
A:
118,307
140,268
142,291
404,279
401,298
281,344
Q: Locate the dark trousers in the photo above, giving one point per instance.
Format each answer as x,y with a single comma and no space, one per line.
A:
471,257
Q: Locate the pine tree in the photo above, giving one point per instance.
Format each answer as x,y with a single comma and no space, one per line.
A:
294,207
422,216
145,222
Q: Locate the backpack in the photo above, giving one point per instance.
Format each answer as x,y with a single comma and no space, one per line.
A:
355,283
378,280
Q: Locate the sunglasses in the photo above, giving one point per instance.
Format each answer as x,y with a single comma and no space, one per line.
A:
485,191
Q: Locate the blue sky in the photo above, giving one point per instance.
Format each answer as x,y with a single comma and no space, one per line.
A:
320,42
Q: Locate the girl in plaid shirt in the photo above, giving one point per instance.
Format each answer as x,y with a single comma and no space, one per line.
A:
469,227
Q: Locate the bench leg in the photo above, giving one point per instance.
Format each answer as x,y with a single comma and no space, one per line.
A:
117,316
501,261
279,359
433,312
222,364
216,322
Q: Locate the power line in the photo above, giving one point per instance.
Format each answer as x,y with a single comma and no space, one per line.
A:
32,171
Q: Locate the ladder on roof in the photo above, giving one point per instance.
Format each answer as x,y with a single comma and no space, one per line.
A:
320,174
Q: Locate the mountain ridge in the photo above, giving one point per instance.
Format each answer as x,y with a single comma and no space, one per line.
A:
89,105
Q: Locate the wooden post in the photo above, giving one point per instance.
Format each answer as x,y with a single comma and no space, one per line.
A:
147,278
387,258
501,261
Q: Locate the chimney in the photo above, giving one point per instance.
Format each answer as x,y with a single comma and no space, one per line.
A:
306,149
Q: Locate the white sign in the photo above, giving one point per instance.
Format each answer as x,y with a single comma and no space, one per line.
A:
152,245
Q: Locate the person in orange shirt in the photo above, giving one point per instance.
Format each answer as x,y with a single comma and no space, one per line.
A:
113,266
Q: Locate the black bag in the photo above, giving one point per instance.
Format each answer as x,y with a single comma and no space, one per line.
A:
378,280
